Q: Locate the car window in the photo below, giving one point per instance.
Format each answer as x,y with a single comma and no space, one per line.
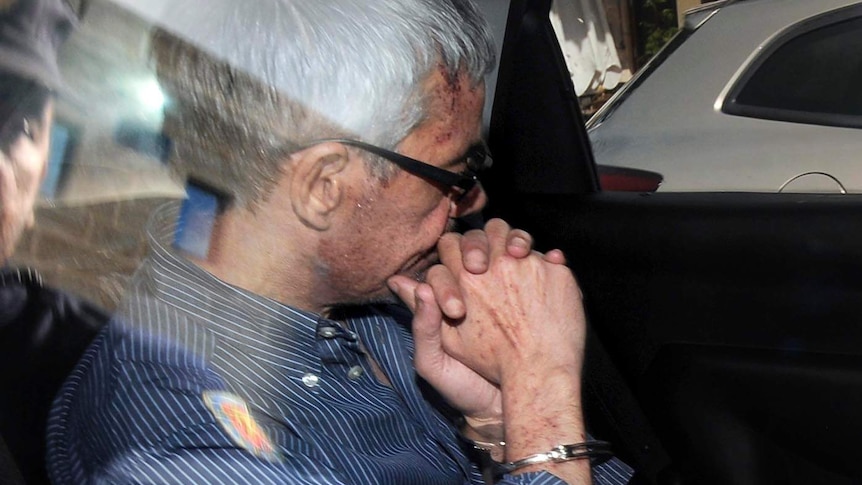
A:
813,77
749,97
106,170
108,165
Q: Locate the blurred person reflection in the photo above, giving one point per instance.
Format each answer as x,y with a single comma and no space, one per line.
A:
35,320
30,34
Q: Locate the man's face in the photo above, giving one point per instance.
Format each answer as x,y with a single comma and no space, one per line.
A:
21,172
393,227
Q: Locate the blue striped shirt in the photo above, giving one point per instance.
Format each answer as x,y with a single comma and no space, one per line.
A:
139,406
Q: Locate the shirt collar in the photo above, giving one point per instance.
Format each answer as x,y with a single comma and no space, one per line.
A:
174,279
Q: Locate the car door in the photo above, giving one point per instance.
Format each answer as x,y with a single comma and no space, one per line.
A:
725,342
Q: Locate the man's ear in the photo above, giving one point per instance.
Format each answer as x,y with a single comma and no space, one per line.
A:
317,187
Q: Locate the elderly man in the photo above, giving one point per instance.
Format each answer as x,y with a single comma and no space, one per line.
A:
259,342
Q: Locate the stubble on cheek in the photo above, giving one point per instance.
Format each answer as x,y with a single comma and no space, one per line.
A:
346,278
418,270
350,263
351,272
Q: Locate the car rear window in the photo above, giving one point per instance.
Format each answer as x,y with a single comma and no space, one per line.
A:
812,77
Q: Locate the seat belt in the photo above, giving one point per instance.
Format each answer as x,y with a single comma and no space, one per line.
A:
632,433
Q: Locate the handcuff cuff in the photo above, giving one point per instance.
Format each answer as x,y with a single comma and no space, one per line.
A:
596,451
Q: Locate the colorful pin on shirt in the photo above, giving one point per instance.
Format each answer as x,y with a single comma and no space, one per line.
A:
232,413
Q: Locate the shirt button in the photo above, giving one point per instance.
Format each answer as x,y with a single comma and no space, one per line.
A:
327,332
355,372
310,380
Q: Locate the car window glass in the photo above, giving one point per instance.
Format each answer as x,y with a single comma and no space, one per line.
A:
106,170
108,167
812,78
753,97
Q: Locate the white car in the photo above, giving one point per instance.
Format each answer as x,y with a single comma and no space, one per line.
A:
751,95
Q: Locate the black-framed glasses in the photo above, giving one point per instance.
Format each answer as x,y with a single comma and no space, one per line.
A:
477,159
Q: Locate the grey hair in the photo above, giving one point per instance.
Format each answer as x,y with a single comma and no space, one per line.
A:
252,81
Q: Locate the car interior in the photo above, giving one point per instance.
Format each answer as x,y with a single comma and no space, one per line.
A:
723,345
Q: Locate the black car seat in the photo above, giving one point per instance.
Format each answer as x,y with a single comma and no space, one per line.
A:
43,332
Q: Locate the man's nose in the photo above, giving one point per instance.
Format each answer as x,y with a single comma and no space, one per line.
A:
471,203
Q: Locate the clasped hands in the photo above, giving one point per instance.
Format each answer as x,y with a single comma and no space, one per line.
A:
495,318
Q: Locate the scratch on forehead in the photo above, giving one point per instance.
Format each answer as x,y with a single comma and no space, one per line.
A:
446,99
452,85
